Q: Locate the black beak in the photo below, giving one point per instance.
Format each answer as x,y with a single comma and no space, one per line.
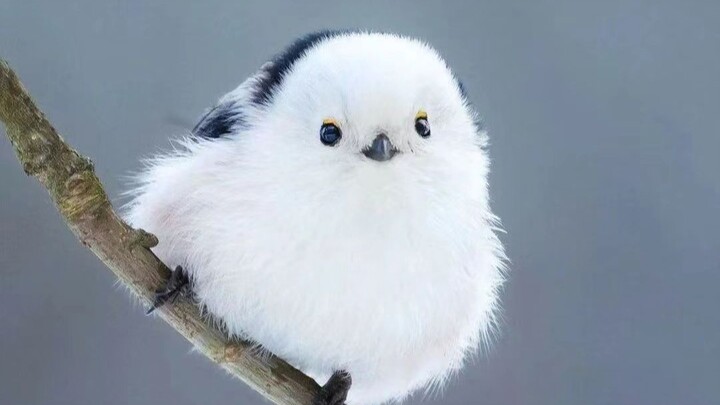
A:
381,149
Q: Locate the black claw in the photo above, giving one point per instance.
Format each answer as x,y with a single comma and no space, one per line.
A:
335,390
178,283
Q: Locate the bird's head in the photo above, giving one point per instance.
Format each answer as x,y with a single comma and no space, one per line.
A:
363,99
361,112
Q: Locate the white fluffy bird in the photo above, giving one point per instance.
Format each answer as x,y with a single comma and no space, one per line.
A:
334,209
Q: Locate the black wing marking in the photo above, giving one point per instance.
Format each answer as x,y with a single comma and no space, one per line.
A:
220,120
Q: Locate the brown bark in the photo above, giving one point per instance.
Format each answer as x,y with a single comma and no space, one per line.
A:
79,196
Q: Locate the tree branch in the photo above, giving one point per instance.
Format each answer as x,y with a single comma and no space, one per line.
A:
83,204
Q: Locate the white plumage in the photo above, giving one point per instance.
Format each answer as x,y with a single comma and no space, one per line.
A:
331,260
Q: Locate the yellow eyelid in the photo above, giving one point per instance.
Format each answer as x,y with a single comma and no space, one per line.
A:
421,115
330,121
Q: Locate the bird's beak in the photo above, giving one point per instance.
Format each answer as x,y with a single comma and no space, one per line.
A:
381,149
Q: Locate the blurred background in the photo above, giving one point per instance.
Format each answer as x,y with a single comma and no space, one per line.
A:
605,135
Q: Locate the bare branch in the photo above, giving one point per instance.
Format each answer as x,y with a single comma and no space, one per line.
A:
83,204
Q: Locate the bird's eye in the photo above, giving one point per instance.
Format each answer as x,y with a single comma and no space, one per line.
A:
330,133
422,126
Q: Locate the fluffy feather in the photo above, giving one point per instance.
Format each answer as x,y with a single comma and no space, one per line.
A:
389,270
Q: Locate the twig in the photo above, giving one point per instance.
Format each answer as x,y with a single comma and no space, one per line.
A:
79,196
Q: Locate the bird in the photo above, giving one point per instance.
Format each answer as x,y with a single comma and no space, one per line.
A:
334,209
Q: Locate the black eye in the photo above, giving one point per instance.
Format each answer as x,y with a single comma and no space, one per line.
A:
330,134
422,126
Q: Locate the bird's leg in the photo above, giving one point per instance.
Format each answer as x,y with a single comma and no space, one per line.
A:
335,390
178,283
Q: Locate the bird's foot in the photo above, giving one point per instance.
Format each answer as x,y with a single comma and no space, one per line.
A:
335,390
178,283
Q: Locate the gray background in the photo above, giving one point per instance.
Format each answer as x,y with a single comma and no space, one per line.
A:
605,142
